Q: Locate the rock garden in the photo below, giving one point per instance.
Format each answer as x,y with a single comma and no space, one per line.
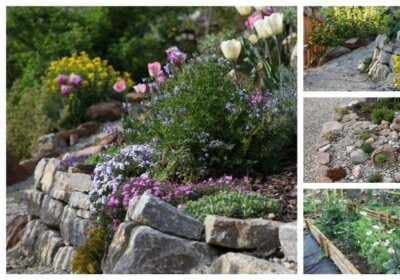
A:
357,231
361,143
353,49
182,160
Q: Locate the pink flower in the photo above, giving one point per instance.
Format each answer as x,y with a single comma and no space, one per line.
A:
391,250
140,88
175,56
75,80
256,98
119,86
62,79
251,19
180,206
154,68
160,78
65,90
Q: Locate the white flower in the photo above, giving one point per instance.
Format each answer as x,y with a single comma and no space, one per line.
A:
390,231
275,22
375,226
368,233
386,243
263,28
375,243
253,38
244,10
363,213
231,49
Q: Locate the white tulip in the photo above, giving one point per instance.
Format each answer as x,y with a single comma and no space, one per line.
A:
244,11
276,23
231,49
262,28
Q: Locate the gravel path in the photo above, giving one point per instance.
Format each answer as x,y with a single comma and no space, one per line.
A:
341,74
316,112
16,203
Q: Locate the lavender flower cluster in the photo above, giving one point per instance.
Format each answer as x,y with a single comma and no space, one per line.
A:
71,160
130,161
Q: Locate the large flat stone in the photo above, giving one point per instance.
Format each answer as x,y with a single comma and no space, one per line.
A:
73,229
288,240
237,263
79,200
151,251
62,259
156,213
51,211
242,234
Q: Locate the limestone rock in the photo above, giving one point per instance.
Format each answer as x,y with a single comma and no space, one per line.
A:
154,212
331,127
79,200
150,251
39,170
381,40
242,234
50,145
358,156
237,263
106,111
46,247
395,125
288,240
119,243
324,158
51,211
48,174
34,201
333,53
62,259
357,171
72,228
15,230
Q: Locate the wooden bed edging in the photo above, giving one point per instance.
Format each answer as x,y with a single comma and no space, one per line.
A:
381,216
344,265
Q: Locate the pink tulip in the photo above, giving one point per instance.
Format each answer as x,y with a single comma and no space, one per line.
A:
65,90
160,78
75,80
154,68
119,86
140,88
62,79
251,19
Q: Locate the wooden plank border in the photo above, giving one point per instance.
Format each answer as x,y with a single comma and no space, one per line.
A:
344,265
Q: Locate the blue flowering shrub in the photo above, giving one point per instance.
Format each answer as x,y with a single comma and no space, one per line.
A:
206,121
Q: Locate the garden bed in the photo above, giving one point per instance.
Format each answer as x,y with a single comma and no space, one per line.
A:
355,237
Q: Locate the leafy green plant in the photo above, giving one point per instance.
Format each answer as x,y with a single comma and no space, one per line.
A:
367,148
232,204
87,259
341,111
375,178
380,158
102,156
382,114
363,134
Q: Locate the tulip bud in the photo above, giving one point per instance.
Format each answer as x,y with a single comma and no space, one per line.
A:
244,11
253,39
75,80
62,79
276,23
65,90
119,86
140,88
231,49
154,68
263,28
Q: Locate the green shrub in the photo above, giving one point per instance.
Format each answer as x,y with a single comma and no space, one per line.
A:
233,204
102,156
342,23
367,148
211,43
87,259
363,134
382,114
203,123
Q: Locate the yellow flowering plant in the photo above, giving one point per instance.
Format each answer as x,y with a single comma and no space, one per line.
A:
396,69
78,81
